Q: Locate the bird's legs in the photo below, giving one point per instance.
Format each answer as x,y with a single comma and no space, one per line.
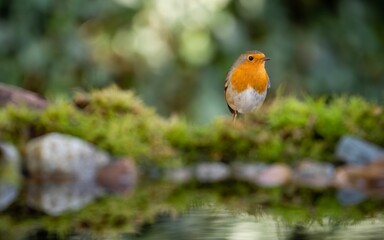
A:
234,116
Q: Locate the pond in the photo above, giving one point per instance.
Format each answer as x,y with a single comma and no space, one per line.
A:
206,223
211,223
164,210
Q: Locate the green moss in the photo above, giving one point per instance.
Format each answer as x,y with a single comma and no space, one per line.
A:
14,124
287,130
117,121
272,148
289,113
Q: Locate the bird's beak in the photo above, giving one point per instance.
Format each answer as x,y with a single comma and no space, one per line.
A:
266,59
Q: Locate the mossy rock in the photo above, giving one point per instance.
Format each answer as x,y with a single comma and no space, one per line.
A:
286,130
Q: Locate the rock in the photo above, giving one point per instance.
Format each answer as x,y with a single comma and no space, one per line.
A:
57,155
20,97
10,174
179,175
350,196
119,176
55,198
341,178
356,151
9,154
368,179
275,175
8,193
248,171
315,175
212,172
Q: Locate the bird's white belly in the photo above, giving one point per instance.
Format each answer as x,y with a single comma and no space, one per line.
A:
248,100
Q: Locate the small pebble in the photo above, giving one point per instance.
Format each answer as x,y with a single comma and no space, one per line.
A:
368,179
179,175
315,175
341,178
10,174
212,172
119,176
8,193
248,171
350,196
356,151
9,154
275,175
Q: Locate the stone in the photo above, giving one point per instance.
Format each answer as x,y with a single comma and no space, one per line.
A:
350,196
8,194
62,156
20,97
10,174
9,154
274,175
119,176
341,178
368,179
179,175
212,172
248,171
356,151
313,174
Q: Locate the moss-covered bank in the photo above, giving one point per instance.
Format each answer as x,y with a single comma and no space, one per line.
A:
285,130
117,121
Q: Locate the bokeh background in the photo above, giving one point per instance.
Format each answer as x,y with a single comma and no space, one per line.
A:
175,53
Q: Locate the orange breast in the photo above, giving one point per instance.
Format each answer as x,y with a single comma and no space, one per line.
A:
250,74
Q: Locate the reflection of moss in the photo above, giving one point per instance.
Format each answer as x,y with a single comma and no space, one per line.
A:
115,120
115,214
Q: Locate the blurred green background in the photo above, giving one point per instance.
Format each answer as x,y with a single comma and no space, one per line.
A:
175,53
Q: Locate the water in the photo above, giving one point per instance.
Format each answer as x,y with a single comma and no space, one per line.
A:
221,224
161,209
208,224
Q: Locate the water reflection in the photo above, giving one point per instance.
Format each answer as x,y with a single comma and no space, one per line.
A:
55,198
221,224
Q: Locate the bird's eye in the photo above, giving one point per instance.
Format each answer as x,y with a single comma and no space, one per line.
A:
250,58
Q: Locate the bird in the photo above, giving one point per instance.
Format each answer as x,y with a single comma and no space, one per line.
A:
246,83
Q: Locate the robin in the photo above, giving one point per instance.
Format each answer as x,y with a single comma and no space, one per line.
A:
246,83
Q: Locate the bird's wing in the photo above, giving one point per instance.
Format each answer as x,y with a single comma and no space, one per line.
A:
226,85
